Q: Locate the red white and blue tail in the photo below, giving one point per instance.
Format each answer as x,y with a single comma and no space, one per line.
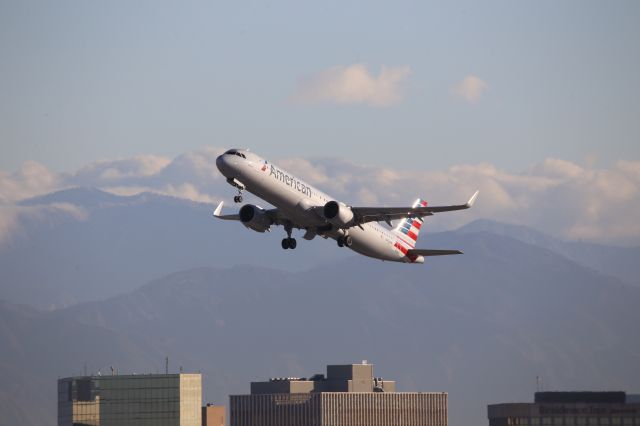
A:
408,229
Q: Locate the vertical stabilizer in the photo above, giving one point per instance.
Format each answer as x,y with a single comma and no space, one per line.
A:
409,229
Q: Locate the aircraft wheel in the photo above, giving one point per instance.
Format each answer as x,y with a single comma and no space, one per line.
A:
340,242
348,241
285,243
237,198
292,243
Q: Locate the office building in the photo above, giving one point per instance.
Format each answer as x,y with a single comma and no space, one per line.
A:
132,400
569,409
347,395
213,415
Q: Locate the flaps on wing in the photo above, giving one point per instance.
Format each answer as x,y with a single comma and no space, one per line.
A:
428,252
387,214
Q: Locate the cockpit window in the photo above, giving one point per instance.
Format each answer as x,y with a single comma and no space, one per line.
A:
234,152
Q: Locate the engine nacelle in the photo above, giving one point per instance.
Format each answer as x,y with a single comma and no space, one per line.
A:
254,217
338,214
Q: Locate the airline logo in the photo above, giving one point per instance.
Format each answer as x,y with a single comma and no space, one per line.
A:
264,166
408,230
290,181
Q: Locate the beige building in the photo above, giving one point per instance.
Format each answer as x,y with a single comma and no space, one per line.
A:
132,400
213,415
349,395
568,409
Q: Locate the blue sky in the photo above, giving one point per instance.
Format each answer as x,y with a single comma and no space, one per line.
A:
81,81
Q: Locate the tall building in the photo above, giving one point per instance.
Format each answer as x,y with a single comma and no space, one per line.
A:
132,400
568,409
347,395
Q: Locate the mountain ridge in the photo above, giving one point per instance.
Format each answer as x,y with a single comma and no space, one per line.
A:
503,313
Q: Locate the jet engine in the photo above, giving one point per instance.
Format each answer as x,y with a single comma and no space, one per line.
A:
254,217
338,214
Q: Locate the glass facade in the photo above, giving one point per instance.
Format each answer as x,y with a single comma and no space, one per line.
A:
136,400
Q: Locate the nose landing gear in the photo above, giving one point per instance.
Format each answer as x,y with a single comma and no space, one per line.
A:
236,183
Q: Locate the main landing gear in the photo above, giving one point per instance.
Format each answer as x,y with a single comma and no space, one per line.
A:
289,243
345,241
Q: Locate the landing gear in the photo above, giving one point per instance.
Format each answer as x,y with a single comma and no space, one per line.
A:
289,243
237,184
345,241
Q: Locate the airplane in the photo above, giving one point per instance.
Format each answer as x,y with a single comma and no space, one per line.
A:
302,206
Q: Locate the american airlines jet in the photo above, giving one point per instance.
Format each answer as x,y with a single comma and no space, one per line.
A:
301,206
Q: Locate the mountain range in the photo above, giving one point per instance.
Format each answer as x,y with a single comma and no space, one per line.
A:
480,326
57,260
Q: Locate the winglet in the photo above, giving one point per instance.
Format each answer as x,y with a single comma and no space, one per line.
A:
472,199
218,209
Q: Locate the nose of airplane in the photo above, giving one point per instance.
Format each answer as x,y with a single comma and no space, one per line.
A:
222,165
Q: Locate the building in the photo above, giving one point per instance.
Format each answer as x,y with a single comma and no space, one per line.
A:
568,409
132,400
347,395
213,415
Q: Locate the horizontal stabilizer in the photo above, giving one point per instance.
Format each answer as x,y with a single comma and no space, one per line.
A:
427,252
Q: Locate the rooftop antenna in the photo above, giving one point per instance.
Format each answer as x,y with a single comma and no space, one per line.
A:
538,384
85,368
166,365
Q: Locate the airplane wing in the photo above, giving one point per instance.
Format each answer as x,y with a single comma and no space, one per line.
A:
427,252
387,214
274,214
218,210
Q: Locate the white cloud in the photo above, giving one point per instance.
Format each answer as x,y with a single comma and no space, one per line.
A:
470,88
353,84
119,170
555,196
32,179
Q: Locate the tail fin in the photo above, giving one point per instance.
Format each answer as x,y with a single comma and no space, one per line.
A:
409,228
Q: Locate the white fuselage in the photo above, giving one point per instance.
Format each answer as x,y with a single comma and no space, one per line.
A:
295,199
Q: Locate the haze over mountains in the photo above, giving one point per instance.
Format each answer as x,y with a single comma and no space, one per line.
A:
480,326
117,243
